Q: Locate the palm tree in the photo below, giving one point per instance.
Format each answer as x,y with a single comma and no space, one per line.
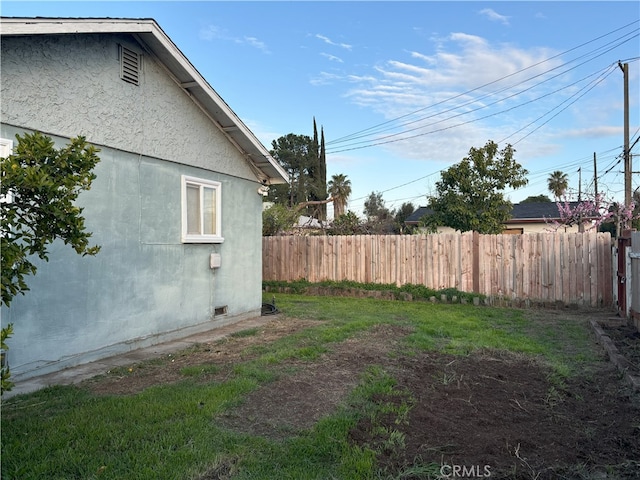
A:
339,190
558,183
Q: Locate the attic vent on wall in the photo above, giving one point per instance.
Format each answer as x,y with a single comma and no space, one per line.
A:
130,65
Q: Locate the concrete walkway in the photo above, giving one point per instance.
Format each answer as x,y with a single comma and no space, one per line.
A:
82,372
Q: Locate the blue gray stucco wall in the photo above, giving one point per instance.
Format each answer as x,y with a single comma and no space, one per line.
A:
144,286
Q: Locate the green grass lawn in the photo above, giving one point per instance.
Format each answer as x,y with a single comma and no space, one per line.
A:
170,431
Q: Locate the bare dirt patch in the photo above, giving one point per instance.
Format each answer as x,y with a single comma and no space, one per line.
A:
488,409
295,402
224,354
626,338
500,412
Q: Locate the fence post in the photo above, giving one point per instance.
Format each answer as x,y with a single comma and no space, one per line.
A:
476,262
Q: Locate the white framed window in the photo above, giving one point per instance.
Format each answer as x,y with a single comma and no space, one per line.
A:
201,210
6,149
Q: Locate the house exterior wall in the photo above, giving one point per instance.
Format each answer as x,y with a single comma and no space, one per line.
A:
528,227
145,285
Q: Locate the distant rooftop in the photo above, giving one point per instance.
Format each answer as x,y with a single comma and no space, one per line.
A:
538,212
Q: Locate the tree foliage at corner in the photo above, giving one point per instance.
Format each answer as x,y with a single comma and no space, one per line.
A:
278,219
39,187
469,196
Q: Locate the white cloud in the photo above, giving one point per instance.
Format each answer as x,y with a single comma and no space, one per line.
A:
331,42
213,32
333,58
464,93
254,42
494,16
594,132
325,78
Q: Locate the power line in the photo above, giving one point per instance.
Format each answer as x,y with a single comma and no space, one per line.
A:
369,129
367,143
542,174
449,127
596,83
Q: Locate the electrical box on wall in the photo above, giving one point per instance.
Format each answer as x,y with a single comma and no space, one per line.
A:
215,261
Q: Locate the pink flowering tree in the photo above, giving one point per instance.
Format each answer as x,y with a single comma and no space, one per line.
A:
592,213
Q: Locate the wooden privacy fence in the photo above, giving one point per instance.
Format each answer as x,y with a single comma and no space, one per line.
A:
572,268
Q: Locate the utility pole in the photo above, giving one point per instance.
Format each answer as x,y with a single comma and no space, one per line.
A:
595,176
627,154
579,184
580,225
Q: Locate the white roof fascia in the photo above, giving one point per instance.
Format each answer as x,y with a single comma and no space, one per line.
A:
149,33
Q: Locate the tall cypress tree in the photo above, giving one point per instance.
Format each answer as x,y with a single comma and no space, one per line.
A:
318,172
322,177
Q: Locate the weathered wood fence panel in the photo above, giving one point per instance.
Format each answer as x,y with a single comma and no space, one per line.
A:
572,268
633,278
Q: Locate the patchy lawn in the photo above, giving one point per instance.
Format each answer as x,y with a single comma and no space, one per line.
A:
351,388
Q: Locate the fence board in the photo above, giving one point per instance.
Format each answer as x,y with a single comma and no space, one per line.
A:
593,267
571,268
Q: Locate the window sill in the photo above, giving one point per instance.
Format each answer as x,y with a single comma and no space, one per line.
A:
202,239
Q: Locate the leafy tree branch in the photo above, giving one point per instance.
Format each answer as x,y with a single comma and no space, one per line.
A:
39,187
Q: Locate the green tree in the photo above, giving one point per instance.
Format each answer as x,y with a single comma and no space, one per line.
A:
39,187
374,207
558,182
318,172
469,196
346,224
379,218
339,191
400,215
304,159
278,219
537,199
295,153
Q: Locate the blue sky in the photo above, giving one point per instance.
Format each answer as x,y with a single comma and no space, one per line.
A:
404,89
